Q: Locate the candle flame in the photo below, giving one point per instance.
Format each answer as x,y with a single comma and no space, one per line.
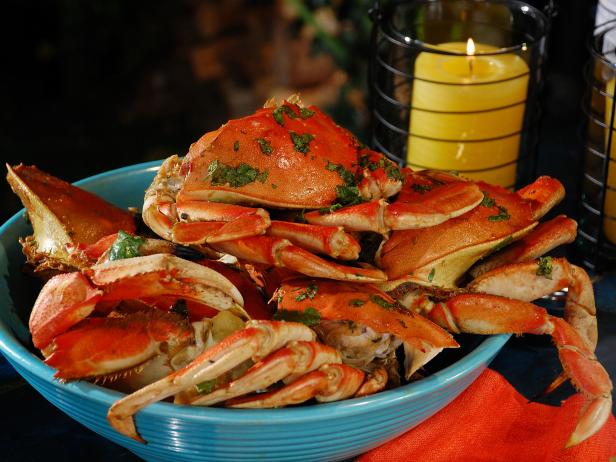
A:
470,47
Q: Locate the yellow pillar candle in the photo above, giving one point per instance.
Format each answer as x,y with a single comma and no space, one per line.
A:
467,111
609,223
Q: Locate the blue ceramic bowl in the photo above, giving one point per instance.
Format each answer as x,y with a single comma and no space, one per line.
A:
322,432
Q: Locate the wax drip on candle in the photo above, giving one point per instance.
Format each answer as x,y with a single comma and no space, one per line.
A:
470,51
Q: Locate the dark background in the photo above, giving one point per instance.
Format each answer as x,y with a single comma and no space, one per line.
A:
90,86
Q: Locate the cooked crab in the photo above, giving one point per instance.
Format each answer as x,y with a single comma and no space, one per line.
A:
294,159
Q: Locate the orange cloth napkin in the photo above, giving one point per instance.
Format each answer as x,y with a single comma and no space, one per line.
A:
491,421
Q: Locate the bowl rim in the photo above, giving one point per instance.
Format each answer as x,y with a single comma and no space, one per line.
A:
18,354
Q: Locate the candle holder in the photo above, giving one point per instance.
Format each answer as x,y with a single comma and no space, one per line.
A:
437,104
597,224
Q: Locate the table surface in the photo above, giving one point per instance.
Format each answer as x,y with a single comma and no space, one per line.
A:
33,429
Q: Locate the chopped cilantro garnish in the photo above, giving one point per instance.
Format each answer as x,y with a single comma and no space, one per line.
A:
348,195
274,186
431,275
311,292
391,169
382,302
266,147
487,201
502,244
305,113
206,387
310,316
346,175
503,215
544,267
279,114
236,177
357,302
236,146
301,142
125,246
421,188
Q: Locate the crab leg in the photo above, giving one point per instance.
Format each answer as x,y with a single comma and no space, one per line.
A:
328,240
374,382
423,202
294,360
542,194
332,382
528,281
490,314
545,237
255,341
234,221
165,211
281,252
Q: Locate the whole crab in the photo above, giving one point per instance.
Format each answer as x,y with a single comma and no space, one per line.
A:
298,163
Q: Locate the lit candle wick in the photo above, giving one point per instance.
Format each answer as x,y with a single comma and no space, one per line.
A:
470,51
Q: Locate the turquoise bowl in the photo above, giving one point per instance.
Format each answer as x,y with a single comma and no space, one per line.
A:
321,432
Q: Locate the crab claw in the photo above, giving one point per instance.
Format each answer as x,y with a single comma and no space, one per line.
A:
331,382
281,252
255,341
490,314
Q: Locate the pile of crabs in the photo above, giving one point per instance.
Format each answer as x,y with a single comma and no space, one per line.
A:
284,261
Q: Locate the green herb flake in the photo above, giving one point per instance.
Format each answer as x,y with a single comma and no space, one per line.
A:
206,387
487,201
332,167
125,246
301,142
502,244
391,169
357,302
279,114
421,188
544,267
382,302
503,214
311,292
236,146
266,147
348,195
274,186
310,316
330,209
431,275
305,113
236,177
402,323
